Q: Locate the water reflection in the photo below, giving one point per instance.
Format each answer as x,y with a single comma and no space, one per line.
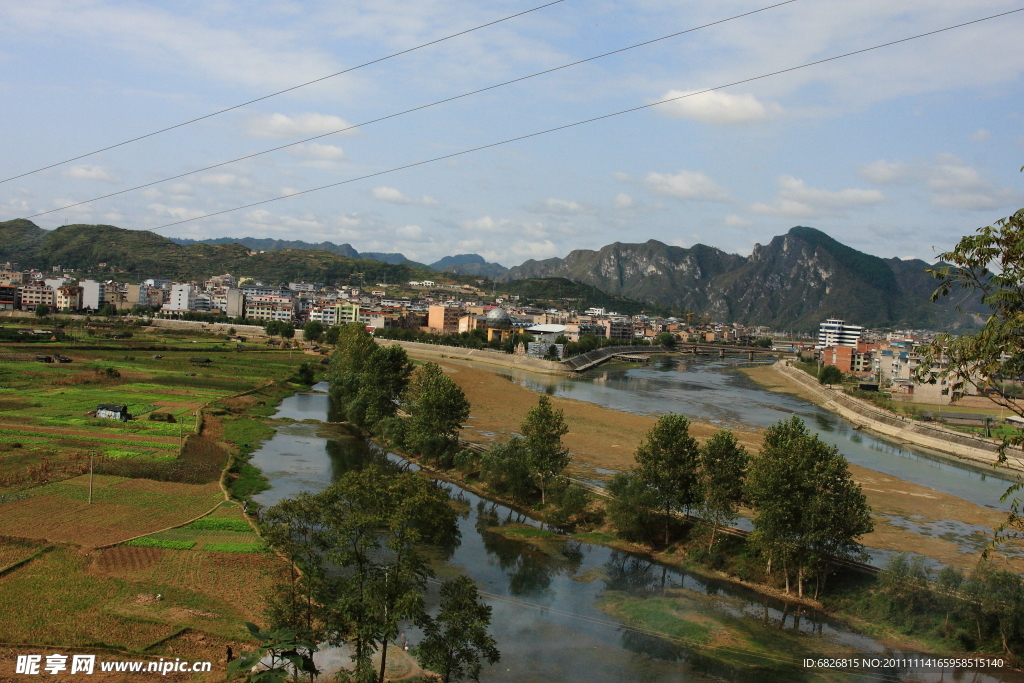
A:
546,592
713,390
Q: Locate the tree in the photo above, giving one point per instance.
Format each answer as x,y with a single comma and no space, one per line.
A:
633,508
376,524
312,331
273,328
667,461
367,380
830,375
456,641
331,335
808,510
988,265
437,409
42,310
295,527
666,339
723,468
542,431
506,468
277,649
306,373
287,331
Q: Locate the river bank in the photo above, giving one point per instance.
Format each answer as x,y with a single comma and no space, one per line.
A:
909,517
983,452
559,602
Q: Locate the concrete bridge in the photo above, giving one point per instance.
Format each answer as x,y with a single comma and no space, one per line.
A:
594,358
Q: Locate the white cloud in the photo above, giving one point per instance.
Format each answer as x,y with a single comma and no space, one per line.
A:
623,201
89,173
718,108
559,207
883,172
504,226
534,250
174,41
981,135
180,213
735,221
224,180
953,183
317,152
797,200
393,196
300,125
687,186
410,232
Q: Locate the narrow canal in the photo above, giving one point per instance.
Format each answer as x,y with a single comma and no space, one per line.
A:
566,611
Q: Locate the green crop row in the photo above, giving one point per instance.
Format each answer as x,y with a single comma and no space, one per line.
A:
236,547
158,543
220,524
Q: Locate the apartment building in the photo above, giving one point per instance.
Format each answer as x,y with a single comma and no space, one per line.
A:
35,295
94,294
834,332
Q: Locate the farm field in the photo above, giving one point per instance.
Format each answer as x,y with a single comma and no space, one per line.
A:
108,599
122,508
47,434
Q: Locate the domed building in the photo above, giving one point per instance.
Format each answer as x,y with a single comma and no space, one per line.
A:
499,324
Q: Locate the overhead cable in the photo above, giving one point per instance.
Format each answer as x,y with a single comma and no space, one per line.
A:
596,118
280,92
407,111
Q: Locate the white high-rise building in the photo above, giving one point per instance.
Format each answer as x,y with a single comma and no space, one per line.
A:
94,294
834,332
182,298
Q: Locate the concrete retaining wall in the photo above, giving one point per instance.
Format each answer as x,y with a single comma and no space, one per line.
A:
488,356
931,436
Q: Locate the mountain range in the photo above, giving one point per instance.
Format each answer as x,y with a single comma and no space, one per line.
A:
793,282
463,264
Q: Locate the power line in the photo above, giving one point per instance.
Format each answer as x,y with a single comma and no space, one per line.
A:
407,111
281,92
596,118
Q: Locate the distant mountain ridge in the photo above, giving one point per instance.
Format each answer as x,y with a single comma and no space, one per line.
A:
469,264
794,282
463,264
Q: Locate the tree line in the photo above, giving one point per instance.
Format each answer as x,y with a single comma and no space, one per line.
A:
808,511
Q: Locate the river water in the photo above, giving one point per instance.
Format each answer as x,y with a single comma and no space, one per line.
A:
547,596
714,390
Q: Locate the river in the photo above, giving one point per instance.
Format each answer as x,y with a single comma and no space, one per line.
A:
548,596
714,390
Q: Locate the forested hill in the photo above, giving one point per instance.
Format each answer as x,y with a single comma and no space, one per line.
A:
142,254
794,282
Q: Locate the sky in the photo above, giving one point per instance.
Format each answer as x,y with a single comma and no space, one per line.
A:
896,152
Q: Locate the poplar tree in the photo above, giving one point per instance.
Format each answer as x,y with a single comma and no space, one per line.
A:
437,409
457,640
543,430
723,468
667,462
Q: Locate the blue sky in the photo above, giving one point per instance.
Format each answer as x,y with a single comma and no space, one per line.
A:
897,152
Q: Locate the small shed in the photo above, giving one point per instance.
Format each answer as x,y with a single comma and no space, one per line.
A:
110,411
199,360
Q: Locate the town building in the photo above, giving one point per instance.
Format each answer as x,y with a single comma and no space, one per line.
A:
94,294
835,332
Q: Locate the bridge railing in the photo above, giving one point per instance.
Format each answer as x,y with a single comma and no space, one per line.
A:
577,362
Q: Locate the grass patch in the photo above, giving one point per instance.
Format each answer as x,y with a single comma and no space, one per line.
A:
220,524
595,538
659,614
525,532
236,547
160,543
